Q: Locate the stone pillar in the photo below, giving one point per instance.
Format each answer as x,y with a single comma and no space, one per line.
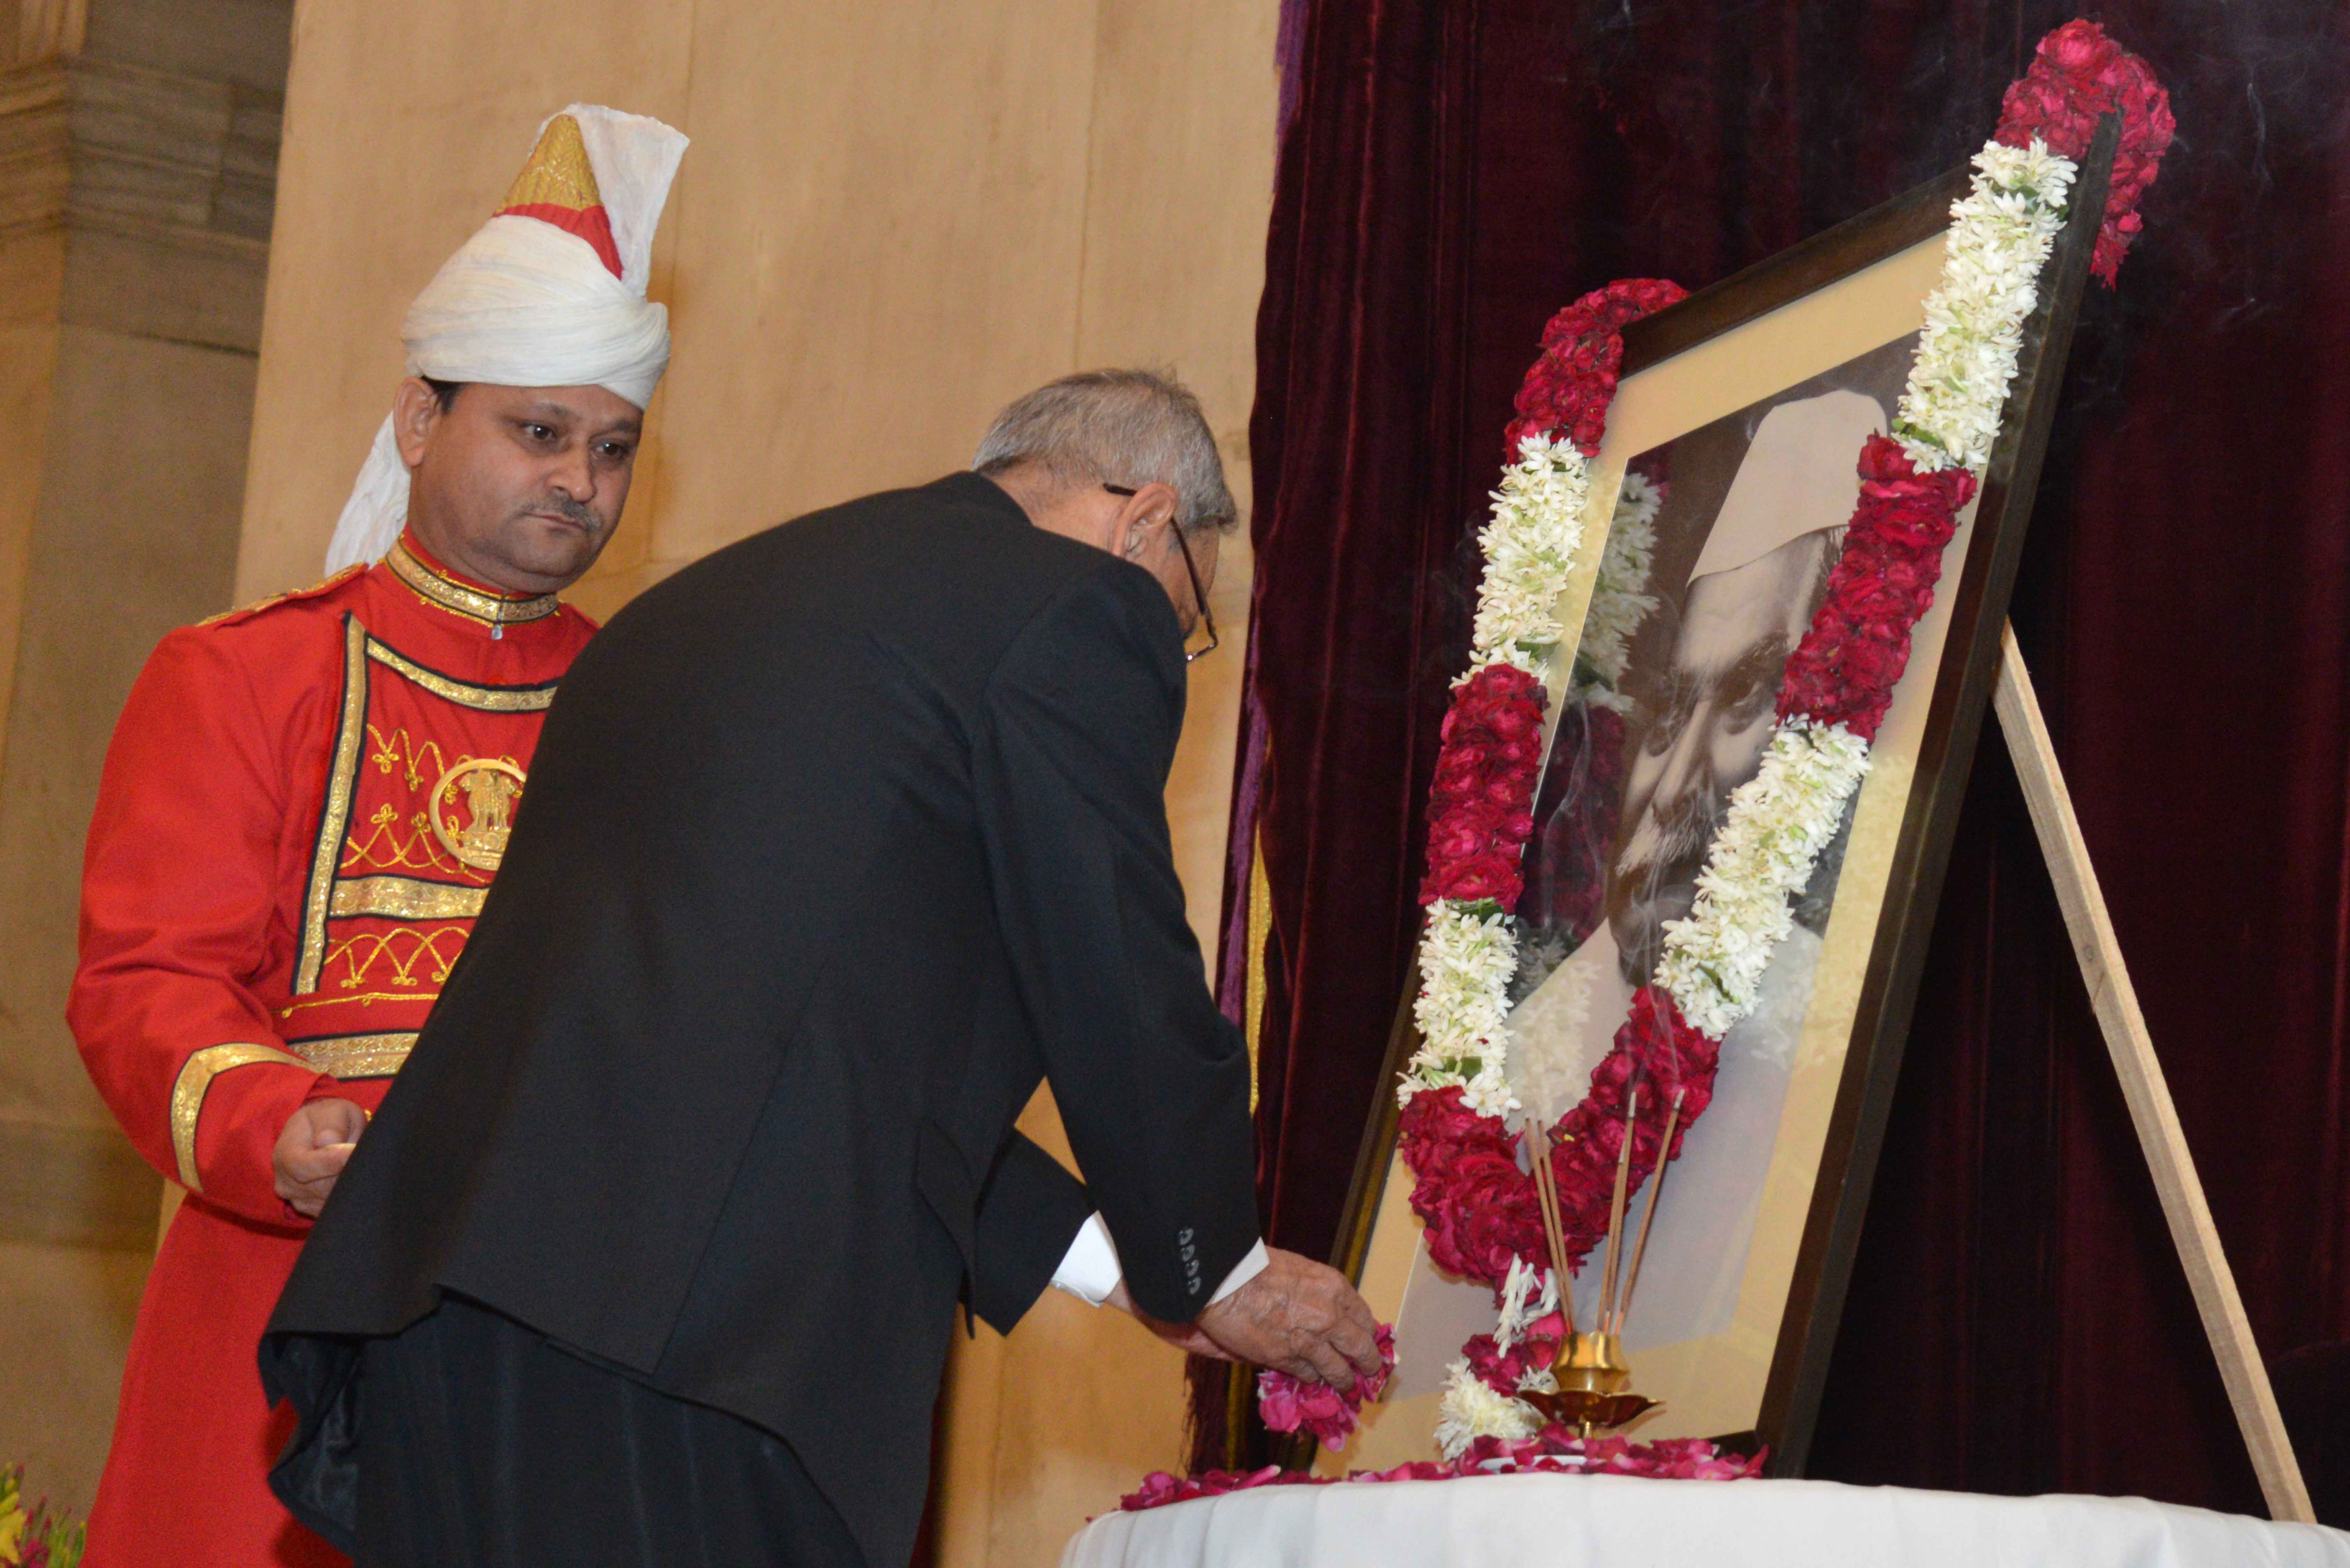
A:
137,159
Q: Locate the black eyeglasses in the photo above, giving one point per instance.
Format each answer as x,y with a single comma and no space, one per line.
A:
1199,594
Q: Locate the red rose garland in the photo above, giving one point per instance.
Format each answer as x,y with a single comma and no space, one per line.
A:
1479,1207
1843,670
2078,75
1480,807
1567,390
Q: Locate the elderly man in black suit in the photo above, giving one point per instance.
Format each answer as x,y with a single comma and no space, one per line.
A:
836,843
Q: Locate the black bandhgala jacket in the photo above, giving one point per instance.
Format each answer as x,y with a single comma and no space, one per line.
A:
834,843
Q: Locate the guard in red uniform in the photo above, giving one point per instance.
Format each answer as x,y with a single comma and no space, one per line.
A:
306,801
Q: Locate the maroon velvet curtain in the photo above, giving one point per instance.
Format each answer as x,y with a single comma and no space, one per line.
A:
1453,170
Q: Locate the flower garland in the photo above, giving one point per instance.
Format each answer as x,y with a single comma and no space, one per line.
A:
1479,1206
2078,75
1481,803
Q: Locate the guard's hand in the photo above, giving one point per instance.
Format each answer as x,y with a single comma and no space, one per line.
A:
312,1152
1300,1317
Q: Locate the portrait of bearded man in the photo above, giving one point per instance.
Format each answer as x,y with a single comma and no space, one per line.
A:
1701,713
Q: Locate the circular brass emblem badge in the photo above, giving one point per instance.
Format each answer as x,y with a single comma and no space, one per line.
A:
472,810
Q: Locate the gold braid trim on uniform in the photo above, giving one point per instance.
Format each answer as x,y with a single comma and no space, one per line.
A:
490,609
404,898
257,606
335,821
357,1056
188,1095
364,999
487,699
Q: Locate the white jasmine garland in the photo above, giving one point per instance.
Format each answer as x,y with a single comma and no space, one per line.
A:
1778,822
1466,958
1762,856
1530,544
2001,234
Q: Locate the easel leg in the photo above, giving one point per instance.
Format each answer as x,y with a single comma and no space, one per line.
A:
2143,1086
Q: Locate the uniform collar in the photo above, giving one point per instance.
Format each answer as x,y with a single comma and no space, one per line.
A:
437,586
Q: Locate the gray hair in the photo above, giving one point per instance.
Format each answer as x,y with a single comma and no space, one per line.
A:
1117,427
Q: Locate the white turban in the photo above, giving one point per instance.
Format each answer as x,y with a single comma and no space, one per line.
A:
526,303
1801,475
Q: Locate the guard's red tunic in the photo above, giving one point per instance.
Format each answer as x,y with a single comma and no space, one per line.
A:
301,807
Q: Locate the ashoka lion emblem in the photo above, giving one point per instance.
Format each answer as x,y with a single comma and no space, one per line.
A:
472,810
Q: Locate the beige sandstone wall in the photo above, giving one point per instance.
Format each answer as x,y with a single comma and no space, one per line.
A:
137,139
895,217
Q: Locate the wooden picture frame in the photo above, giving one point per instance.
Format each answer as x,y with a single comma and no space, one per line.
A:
1947,689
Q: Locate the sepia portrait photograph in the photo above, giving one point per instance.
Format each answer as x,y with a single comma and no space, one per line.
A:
1727,480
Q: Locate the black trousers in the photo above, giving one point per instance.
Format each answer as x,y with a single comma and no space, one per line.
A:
485,1444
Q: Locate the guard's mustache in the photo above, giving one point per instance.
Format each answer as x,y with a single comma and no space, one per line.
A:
572,511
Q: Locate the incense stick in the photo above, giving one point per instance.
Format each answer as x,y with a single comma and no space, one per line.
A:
1648,1215
1616,1208
1554,1229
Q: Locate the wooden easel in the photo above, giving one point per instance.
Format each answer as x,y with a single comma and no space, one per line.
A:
2148,1096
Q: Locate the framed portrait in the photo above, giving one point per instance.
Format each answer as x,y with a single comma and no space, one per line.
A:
1720,495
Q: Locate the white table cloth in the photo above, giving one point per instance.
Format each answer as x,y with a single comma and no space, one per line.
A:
1623,1522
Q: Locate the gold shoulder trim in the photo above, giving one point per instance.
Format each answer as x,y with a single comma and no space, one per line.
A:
336,818
188,1095
488,699
490,609
404,898
357,1056
313,591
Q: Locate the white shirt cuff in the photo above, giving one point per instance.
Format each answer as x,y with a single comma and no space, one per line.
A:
1253,1262
1090,1269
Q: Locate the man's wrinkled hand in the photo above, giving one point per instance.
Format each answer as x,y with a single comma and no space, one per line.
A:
312,1150
1300,1317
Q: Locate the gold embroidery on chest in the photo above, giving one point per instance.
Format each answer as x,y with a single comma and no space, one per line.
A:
394,957
458,831
397,843
472,810
398,750
363,999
